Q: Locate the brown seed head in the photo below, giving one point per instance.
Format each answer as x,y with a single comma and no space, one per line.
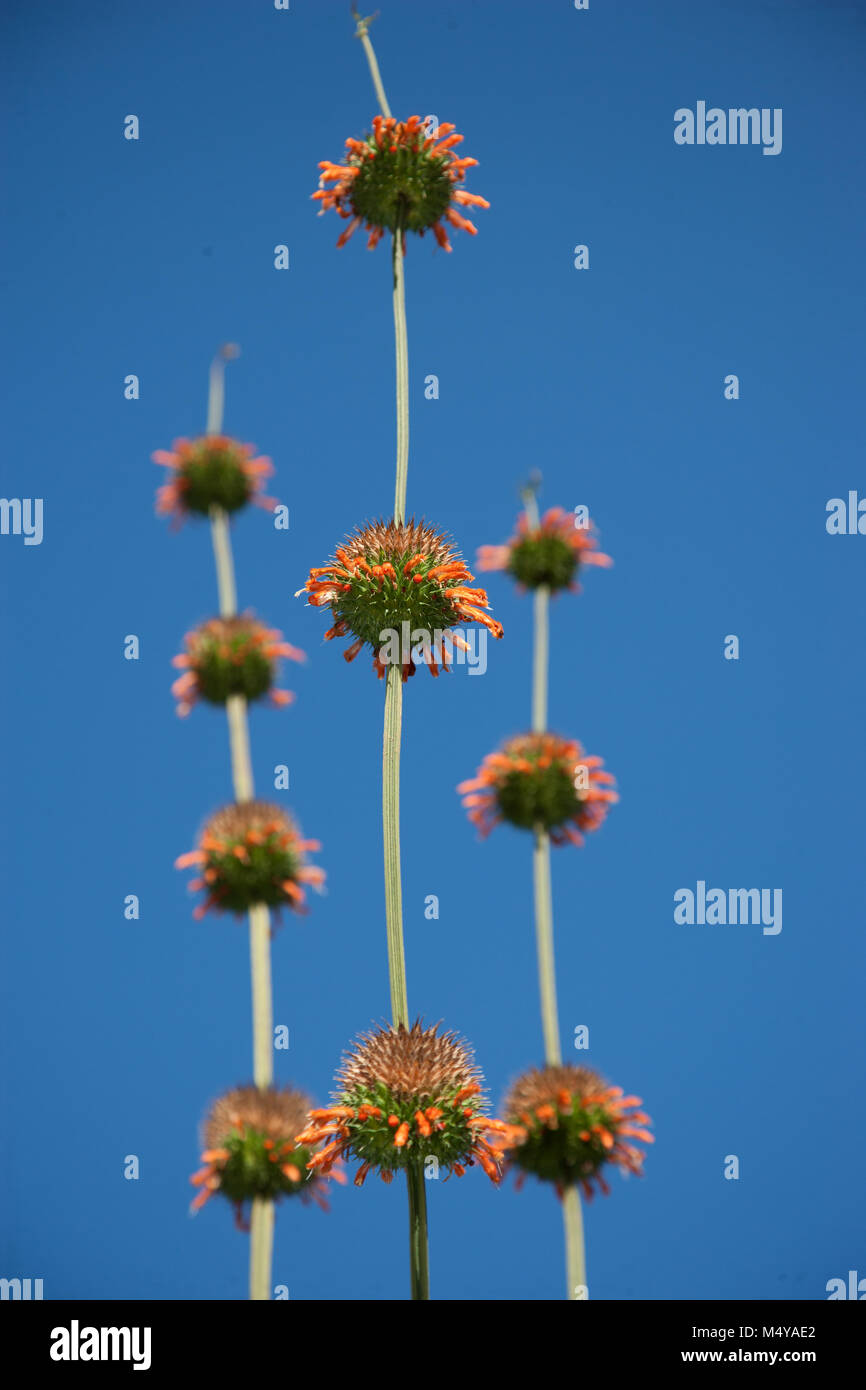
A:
281,1114
236,821
543,1085
399,542
416,1063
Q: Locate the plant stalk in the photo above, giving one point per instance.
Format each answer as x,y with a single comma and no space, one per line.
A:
572,1217
418,1239
262,1216
418,1256
391,839
361,33
401,355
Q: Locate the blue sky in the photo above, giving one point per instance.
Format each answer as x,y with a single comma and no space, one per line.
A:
141,257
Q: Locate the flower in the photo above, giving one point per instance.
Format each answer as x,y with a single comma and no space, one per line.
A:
250,1150
567,1124
212,471
406,1095
402,176
540,780
548,554
231,656
401,584
251,853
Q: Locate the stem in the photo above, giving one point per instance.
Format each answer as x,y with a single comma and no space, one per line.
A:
261,1248
225,567
391,835
361,33
572,1217
420,1281
401,345
239,740
541,605
401,342
544,941
575,1259
263,1011
418,1259
262,1216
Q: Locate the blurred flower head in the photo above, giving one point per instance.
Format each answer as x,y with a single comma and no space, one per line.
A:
231,656
394,586
401,177
251,853
212,471
568,1125
406,1095
549,554
540,780
250,1150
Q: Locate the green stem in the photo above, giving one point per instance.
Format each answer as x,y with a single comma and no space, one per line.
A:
361,33
544,942
575,1258
541,606
262,1217
572,1218
261,1249
225,565
391,836
401,344
418,1258
263,1009
420,1283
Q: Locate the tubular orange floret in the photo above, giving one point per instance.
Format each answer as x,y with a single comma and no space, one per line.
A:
426,180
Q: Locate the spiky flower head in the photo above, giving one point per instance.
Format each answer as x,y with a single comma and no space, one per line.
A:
549,554
250,1150
231,656
402,177
212,471
251,853
540,780
399,586
568,1124
406,1096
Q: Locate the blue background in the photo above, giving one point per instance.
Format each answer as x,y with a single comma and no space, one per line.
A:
126,257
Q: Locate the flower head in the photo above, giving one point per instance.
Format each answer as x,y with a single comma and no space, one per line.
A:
231,656
540,780
567,1125
401,177
399,586
250,1150
549,554
251,853
212,471
406,1095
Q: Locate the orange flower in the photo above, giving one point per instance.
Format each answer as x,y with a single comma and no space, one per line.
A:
397,587
250,1150
407,1096
567,1124
251,853
549,554
231,656
401,177
212,471
540,780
